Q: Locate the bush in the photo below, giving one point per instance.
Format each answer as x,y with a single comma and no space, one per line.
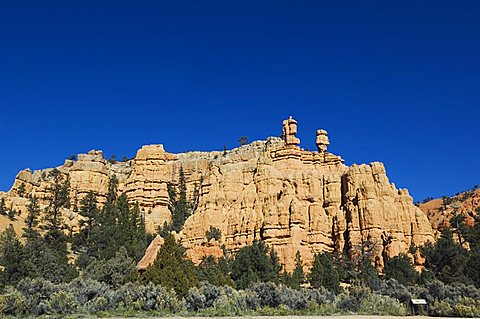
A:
269,294
115,272
468,307
97,304
62,302
195,300
12,302
37,293
375,304
84,290
213,232
231,302
395,290
351,301
441,308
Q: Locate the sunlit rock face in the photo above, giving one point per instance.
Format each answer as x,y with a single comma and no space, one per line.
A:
293,199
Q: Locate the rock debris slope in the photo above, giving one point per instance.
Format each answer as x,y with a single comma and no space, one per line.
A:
273,190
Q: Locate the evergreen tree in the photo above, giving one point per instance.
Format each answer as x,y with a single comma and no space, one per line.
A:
400,268
3,207
171,269
21,190
181,208
254,263
112,190
89,210
49,256
323,273
58,198
33,213
12,258
446,259
298,276
215,272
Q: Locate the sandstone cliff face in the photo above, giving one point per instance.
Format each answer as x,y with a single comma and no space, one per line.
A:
271,190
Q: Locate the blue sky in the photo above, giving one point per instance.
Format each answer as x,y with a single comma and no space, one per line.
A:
392,81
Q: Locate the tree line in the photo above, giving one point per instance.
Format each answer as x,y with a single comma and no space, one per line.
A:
112,239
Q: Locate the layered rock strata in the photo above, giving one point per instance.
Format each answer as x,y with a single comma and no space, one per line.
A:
293,199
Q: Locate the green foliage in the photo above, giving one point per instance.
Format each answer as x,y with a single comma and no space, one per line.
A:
254,263
12,258
3,207
324,273
297,278
112,159
115,271
243,140
11,213
400,268
21,190
214,272
180,207
171,269
58,198
446,259
12,302
32,219
213,233
118,224
62,302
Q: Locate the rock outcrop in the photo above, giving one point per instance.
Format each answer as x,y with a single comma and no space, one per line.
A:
293,199
440,210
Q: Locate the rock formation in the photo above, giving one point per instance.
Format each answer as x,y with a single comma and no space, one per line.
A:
440,210
293,199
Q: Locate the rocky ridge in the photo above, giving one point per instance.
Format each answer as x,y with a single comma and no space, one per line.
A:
440,210
273,190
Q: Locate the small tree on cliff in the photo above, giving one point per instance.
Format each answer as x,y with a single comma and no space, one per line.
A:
3,207
180,208
33,213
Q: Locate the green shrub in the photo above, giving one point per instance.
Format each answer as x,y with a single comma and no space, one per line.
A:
442,308
62,302
213,232
37,293
231,303
83,290
167,300
468,307
381,305
12,302
97,304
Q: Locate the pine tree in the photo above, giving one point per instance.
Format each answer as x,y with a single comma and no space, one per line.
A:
12,258
446,259
3,207
298,276
58,197
254,263
33,213
400,268
215,272
21,190
323,273
171,269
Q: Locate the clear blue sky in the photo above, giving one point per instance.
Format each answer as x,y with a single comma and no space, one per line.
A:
392,81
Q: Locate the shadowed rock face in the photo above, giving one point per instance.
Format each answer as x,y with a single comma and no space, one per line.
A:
271,190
